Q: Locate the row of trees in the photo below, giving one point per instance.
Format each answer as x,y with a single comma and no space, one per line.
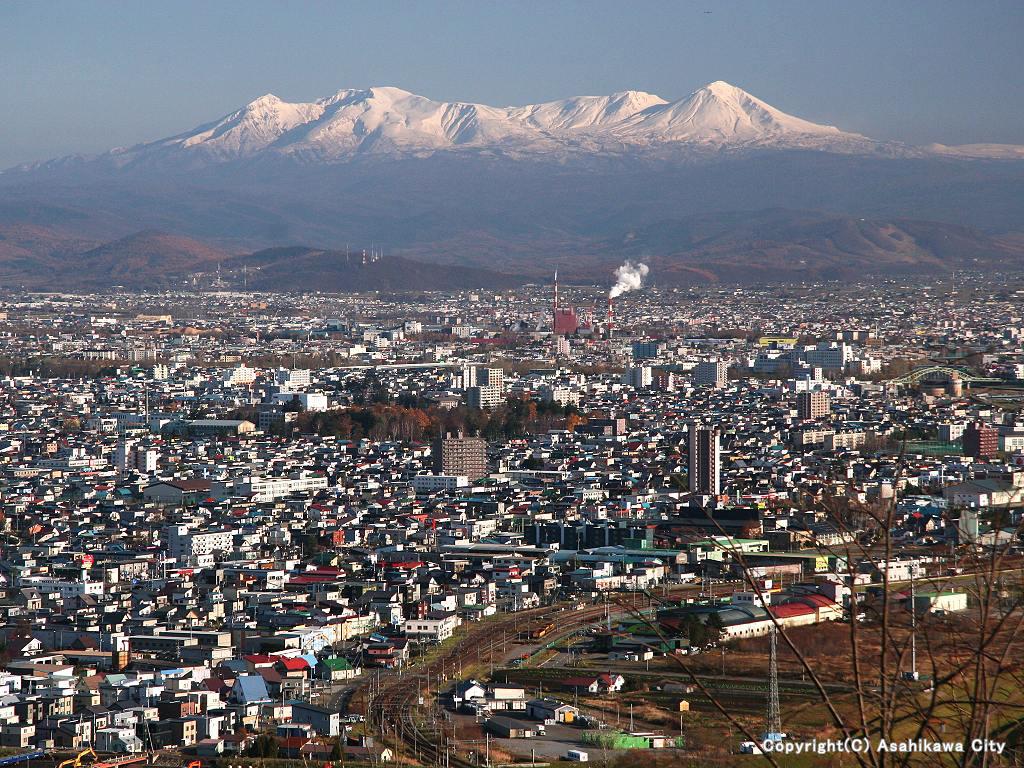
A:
269,746
515,418
58,367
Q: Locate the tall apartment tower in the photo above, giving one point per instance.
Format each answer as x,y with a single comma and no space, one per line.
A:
704,467
490,377
468,377
712,373
980,441
460,455
638,377
812,404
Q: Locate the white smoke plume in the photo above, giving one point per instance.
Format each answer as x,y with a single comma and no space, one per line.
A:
629,277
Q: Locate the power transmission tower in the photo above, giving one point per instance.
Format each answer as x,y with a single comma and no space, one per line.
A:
912,674
774,730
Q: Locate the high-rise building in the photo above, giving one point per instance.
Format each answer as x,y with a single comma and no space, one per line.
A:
648,350
292,378
123,457
487,396
639,377
129,455
951,432
490,377
704,465
662,380
460,455
812,404
467,377
980,441
713,373
828,356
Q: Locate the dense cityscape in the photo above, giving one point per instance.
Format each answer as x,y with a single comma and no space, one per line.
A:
511,385
488,527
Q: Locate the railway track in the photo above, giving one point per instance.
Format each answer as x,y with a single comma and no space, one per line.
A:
394,704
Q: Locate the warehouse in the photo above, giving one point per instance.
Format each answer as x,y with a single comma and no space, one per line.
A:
507,728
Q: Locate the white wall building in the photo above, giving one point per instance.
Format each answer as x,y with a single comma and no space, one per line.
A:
434,483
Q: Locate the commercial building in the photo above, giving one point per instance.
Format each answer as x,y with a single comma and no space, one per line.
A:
434,483
307,401
264,489
829,356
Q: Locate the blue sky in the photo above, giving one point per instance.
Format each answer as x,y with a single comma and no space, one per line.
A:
87,76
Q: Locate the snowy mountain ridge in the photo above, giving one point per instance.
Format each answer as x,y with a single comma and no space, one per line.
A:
392,121
389,121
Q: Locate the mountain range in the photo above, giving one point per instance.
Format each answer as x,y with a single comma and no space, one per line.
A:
718,185
389,121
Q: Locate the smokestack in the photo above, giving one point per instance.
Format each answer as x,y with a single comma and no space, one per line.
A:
556,290
611,317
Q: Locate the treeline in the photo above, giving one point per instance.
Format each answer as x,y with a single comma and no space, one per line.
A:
59,367
380,421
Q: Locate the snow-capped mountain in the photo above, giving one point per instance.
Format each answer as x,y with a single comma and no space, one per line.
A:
716,185
720,113
388,120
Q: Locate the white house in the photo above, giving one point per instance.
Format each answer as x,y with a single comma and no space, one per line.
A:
431,630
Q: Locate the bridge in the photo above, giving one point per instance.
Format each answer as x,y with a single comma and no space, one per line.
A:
942,373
